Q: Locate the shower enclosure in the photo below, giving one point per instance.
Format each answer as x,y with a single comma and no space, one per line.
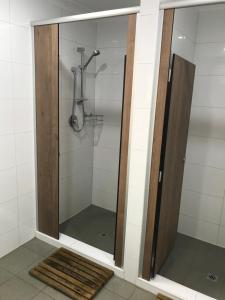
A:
92,63
84,73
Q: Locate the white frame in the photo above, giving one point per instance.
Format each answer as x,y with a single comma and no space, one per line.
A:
188,3
89,16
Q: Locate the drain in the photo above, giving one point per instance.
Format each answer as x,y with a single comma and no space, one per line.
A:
103,235
212,277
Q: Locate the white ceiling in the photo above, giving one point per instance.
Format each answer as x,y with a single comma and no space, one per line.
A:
96,5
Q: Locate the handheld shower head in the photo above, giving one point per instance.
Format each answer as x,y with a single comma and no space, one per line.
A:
94,53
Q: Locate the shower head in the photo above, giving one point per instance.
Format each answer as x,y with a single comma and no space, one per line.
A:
94,53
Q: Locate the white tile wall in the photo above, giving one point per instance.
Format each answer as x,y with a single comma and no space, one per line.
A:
210,58
206,151
209,91
201,230
186,21
76,149
210,24
184,32
202,206
17,176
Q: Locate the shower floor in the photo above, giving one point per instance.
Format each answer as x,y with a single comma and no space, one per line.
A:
94,226
190,262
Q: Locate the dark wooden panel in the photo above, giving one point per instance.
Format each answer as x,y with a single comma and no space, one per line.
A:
175,141
71,274
162,297
157,140
47,127
122,185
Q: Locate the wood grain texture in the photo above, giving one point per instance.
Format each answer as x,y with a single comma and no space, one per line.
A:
157,140
122,183
71,274
175,141
47,127
162,297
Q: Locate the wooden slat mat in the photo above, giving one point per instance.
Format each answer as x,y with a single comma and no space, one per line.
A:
72,274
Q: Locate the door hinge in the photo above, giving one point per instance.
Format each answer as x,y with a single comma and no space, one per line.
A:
160,176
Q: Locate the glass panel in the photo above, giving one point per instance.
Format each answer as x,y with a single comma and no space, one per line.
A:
92,57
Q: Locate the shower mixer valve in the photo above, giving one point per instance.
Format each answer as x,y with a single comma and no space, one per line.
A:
73,120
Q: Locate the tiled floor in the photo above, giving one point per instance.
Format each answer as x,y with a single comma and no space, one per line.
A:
190,262
17,284
94,226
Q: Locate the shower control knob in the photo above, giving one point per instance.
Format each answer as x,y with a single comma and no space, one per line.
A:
73,120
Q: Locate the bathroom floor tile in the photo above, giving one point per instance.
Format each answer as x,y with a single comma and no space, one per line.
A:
42,296
94,226
197,280
39,247
24,275
120,287
199,258
17,284
18,260
17,289
4,275
54,294
140,294
105,294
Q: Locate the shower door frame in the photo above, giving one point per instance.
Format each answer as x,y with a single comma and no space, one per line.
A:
164,72
47,127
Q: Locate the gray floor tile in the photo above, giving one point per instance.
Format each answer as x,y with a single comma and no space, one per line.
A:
222,292
5,275
186,242
17,289
94,226
55,294
197,281
39,247
105,294
175,267
140,294
24,275
209,258
120,287
199,258
42,296
18,260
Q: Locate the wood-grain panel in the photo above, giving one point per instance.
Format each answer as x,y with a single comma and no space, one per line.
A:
157,140
122,182
173,156
47,127
71,274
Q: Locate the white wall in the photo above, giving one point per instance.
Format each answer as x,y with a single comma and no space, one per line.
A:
184,32
17,175
89,160
202,207
112,43
142,123
76,149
